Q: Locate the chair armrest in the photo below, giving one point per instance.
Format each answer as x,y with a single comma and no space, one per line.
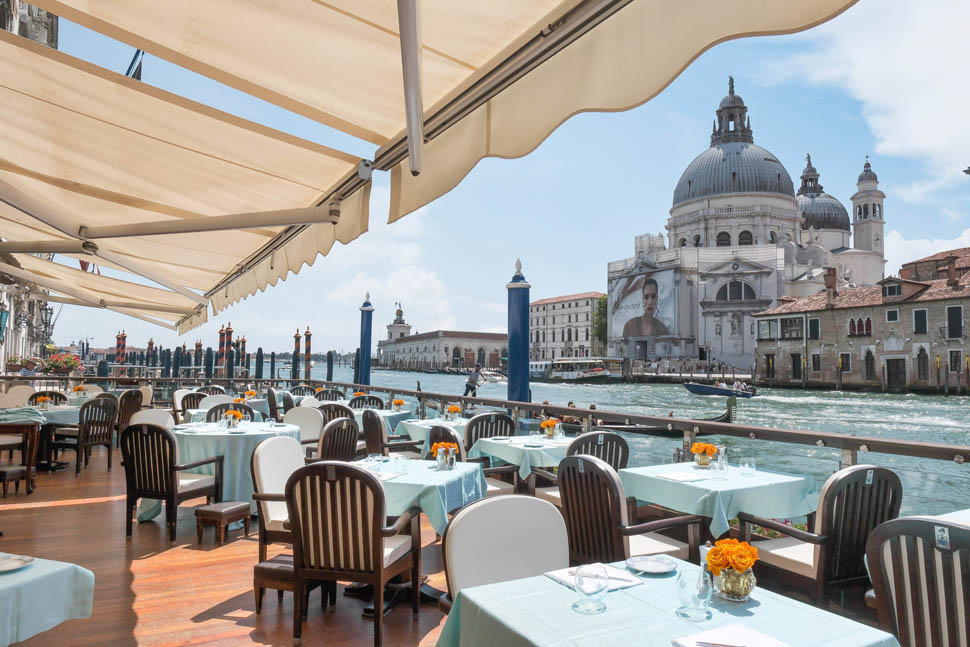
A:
660,524
402,522
549,476
205,461
310,441
445,603
308,460
399,445
268,496
777,526
502,469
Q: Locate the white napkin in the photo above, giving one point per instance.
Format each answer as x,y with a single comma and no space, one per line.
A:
736,635
619,578
683,477
387,476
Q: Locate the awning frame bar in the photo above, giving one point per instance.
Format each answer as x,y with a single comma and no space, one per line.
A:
409,30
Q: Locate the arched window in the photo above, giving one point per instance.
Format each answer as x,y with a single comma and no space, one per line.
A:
481,356
876,210
456,358
772,237
745,238
724,239
868,326
922,365
851,327
569,333
683,242
735,291
858,211
697,240
865,211
870,366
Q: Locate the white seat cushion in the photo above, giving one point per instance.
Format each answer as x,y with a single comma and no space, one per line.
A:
189,482
277,525
495,487
550,494
10,439
395,548
653,543
790,554
361,446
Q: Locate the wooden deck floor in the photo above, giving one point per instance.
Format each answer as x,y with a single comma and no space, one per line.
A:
149,591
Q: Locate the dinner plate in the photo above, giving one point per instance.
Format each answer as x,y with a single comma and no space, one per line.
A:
533,445
13,562
652,564
236,431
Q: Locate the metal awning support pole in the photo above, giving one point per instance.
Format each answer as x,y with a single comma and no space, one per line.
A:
44,247
137,268
113,303
409,29
28,204
280,218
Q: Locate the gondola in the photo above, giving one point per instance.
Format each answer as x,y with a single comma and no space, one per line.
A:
663,432
707,389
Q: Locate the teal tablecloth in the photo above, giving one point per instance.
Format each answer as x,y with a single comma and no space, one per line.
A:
389,417
198,415
536,611
436,492
514,451
41,596
62,415
766,494
960,516
21,415
237,479
420,429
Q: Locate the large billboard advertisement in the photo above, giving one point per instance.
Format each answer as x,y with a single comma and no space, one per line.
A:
643,305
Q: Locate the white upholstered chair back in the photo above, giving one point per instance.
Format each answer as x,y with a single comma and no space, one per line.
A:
160,417
210,401
21,392
479,549
274,460
8,401
146,395
177,398
308,419
310,402
92,389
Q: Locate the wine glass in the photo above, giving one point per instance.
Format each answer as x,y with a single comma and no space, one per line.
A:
748,467
694,592
591,582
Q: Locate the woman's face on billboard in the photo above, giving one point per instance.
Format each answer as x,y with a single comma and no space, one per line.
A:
650,299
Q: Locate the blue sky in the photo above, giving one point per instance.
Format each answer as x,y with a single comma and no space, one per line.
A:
887,78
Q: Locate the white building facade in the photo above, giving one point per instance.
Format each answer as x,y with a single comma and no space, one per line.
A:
740,236
440,348
563,326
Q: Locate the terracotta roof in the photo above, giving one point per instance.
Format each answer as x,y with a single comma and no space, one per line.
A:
869,296
568,297
962,254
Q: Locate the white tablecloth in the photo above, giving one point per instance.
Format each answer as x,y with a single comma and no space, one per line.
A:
41,596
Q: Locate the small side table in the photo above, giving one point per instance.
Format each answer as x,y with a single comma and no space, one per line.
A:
221,515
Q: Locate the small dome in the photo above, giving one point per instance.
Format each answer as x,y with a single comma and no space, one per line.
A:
867,174
822,211
733,167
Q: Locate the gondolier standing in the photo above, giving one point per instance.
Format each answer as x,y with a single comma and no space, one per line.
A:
471,384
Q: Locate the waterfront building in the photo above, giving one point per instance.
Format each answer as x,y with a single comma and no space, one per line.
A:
439,348
899,334
563,327
740,236
937,266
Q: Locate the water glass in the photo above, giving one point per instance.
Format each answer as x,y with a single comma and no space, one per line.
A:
591,582
748,467
721,466
246,418
694,592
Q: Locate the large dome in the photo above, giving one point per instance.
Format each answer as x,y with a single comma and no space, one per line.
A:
733,167
822,211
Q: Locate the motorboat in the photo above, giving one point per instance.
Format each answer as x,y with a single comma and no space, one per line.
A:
708,389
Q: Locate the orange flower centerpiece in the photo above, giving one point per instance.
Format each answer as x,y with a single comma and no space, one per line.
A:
233,417
549,426
730,562
397,404
446,454
78,389
43,401
453,411
239,400
356,393
250,395
703,453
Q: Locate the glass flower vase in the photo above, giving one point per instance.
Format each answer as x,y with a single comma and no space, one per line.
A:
702,460
734,586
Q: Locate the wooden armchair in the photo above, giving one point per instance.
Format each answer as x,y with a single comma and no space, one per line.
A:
273,404
852,503
310,422
191,400
488,425
595,508
129,403
338,440
96,425
56,398
217,412
288,401
366,402
333,410
607,446
302,389
152,471
272,463
493,486
211,389
328,395
376,442
921,580
372,552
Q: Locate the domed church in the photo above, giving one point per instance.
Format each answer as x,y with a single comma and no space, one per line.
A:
739,237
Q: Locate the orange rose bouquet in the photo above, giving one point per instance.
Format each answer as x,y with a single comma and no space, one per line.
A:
356,393
397,404
703,448
731,561
250,394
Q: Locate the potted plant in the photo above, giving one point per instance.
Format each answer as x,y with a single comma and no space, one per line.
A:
15,363
62,363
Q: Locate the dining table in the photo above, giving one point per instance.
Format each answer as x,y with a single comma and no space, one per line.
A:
203,440
419,430
525,451
41,595
687,488
536,611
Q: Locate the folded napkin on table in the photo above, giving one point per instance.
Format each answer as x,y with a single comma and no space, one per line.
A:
21,414
683,477
387,476
619,578
735,635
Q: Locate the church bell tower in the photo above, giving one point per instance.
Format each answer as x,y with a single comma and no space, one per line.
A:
867,213
398,328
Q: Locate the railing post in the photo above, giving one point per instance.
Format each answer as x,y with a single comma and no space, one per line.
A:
421,407
850,457
587,424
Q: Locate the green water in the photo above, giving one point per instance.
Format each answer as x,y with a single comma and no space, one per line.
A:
930,486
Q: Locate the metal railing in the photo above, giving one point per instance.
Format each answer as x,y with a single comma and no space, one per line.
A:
849,446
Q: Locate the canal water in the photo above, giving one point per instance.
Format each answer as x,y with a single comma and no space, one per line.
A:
929,486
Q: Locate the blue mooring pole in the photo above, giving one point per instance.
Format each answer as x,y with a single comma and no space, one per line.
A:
366,318
518,336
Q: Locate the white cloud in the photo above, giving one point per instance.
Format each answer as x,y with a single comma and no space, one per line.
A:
908,63
499,329
899,250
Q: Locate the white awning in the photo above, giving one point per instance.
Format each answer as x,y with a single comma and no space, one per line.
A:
480,78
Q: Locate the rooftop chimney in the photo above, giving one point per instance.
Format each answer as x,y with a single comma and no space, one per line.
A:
830,280
951,270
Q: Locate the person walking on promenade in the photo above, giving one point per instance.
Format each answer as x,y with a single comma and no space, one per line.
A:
471,385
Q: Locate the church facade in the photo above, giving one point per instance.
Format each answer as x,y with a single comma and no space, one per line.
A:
739,236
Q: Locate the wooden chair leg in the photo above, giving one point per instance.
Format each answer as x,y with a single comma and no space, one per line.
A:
297,613
109,456
221,532
4,489
130,510
246,526
279,596
379,611
259,598
77,463
198,530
